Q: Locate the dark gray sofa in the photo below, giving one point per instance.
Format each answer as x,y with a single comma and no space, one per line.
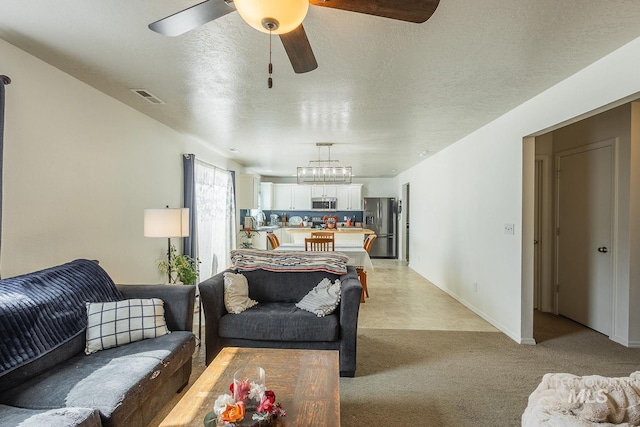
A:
55,383
276,322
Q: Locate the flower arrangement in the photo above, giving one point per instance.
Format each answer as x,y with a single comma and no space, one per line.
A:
229,411
248,235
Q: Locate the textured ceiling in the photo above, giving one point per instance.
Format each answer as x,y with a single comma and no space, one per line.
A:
384,91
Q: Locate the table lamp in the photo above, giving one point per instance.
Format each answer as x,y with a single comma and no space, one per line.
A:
167,222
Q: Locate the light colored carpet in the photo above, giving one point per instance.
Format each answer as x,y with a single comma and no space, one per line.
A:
453,378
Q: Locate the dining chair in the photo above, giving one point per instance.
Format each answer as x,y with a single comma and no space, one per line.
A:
273,240
362,275
368,241
318,244
323,234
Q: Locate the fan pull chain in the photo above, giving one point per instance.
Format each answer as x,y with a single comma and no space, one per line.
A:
270,80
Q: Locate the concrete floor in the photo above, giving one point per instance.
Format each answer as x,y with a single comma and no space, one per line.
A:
399,298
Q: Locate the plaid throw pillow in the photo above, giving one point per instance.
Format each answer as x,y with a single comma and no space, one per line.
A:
112,324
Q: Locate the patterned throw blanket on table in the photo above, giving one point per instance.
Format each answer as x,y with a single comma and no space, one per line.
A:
247,260
42,310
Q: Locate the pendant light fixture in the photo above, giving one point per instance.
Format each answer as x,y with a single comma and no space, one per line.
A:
275,16
326,171
272,17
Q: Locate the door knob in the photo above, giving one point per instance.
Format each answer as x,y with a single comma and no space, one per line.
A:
603,249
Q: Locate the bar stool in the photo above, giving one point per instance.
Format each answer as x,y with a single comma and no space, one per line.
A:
273,240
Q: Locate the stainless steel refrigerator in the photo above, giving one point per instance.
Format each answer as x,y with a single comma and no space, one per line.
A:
380,215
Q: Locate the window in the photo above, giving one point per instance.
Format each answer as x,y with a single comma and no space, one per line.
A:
215,218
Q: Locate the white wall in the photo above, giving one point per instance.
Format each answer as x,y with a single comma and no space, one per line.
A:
378,187
465,194
79,169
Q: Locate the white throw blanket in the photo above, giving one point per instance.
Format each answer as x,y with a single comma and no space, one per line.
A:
570,400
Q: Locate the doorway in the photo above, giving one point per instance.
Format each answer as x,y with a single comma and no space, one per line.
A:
537,239
543,288
585,189
405,221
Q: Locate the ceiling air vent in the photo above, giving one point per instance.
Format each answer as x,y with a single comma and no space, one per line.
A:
148,96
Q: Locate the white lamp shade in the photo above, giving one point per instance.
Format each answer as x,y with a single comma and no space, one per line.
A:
288,13
167,222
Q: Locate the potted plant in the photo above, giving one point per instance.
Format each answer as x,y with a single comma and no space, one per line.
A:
180,268
248,235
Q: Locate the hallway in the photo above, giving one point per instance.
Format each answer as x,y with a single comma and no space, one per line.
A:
399,298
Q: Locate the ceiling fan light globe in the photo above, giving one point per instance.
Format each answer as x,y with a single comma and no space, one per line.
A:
288,14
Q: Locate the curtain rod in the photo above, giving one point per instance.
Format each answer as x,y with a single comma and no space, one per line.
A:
5,79
209,164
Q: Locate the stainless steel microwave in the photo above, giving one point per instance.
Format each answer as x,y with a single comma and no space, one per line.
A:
324,203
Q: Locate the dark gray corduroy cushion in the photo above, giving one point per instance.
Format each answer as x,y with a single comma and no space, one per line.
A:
47,361
178,302
45,310
286,286
279,321
63,417
109,380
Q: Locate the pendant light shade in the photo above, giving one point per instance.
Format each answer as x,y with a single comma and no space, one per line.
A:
285,15
324,171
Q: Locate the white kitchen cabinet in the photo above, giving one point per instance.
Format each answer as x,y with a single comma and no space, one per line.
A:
349,197
281,197
282,235
291,197
327,190
286,237
258,241
247,191
266,196
355,197
301,197
278,233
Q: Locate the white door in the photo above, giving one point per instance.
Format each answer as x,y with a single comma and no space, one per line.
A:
585,215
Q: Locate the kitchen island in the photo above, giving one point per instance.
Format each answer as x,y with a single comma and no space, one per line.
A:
345,236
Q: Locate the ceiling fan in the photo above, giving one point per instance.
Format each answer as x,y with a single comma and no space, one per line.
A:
284,17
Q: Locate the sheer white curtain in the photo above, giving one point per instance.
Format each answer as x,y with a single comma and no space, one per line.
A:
216,218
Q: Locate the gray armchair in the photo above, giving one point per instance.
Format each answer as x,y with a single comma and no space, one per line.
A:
276,322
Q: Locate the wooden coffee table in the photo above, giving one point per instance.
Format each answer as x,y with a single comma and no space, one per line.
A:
306,383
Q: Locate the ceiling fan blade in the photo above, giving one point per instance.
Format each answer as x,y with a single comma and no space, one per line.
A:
299,50
193,17
417,11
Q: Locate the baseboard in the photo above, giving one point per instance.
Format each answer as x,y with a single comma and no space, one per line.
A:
508,332
620,340
625,342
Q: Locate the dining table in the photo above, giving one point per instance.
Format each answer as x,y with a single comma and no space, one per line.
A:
358,258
